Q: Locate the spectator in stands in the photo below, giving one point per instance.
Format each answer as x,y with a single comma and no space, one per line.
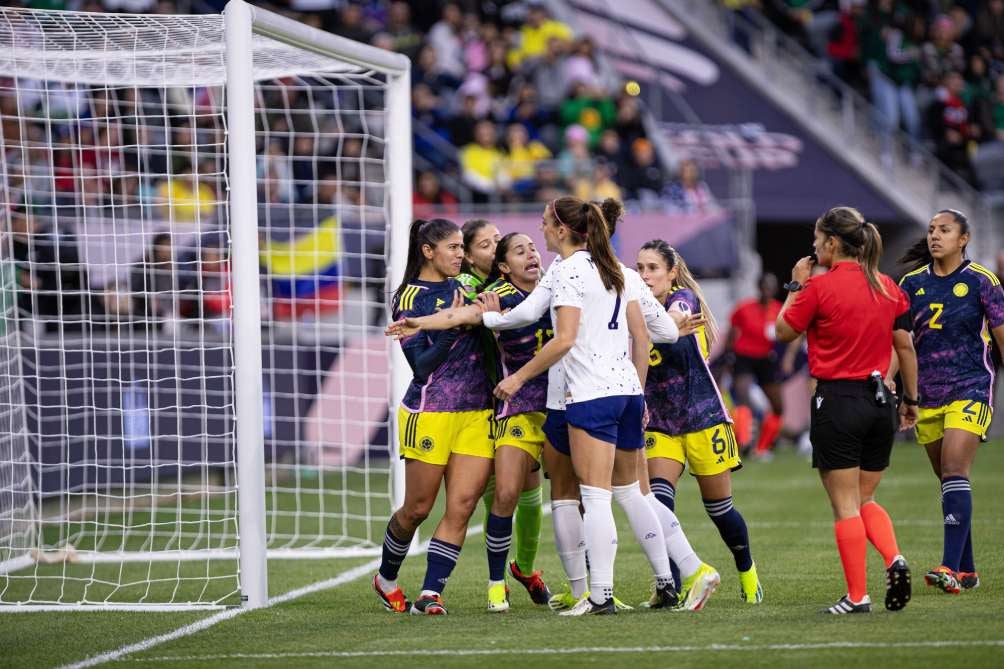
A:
997,109
629,125
903,51
575,161
304,167
643,178
445,38
599,186
528,112
153,283
352,24
941,55
522,157
53,282
949,126
535,35
483,164
611,150
430,199
549,183
210,299
407,40
430,122
185,198
989,31
461,125
581,64
844,46
689,194
590,108
548,74
497,70
428,71
978,96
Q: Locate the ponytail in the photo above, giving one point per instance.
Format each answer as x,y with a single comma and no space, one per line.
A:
613,211
588,224
684,279
860,240
422,232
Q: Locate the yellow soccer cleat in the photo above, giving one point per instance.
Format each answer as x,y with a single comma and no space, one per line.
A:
750,590
698,587
498,598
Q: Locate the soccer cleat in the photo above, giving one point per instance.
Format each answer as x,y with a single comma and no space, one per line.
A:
586,607
943,579
845,606
698,587
533,583
662,598
498,598
562,601
750,590
428,605
392,601
969,580
897,584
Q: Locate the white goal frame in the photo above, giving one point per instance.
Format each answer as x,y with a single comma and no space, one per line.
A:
241,22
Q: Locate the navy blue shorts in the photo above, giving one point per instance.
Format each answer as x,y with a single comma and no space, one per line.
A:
615,420
556,430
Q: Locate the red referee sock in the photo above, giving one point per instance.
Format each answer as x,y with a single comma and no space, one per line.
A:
878,527
769,431
852,543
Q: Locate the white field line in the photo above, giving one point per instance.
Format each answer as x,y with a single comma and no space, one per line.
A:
205,623
579,650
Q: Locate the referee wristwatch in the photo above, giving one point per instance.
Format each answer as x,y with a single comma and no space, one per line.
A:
793,286
910,402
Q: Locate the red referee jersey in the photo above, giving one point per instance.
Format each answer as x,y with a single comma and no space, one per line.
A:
848,325
754,323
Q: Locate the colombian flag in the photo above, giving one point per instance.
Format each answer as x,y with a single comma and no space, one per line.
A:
304,271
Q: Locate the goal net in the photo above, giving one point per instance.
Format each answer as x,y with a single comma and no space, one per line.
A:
201,213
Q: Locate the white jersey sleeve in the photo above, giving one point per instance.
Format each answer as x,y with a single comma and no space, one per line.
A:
529,310
661,326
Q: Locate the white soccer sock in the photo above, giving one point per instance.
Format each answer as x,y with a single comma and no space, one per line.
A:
677,544
647,530
570,539
601,540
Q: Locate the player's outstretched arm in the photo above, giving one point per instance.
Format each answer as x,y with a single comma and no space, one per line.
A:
566,331
456,316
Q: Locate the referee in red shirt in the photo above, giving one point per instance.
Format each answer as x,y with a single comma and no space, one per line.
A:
854,318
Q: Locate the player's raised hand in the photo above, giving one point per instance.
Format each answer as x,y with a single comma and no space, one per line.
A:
489,301
403,328
688,324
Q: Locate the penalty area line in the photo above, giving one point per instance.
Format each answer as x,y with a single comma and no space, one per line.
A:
468,652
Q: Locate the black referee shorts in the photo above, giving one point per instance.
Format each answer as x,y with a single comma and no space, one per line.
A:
765,370
849,428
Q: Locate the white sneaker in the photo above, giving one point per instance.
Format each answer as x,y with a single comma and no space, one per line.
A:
585,606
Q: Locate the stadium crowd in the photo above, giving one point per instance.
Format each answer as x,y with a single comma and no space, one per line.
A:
934,68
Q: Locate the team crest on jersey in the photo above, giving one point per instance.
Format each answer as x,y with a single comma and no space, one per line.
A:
649,442
426,444
516,432
960,290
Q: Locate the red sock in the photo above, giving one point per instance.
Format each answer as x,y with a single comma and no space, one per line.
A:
769,430
878,527
852,545
742,418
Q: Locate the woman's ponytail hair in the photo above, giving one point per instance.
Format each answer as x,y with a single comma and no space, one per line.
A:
587,222
422,232
859,238
684,279
919,254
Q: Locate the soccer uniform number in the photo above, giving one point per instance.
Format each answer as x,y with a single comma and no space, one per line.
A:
654,357
936,309
540,334
718,444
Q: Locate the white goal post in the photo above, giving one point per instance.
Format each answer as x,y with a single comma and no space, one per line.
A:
206,216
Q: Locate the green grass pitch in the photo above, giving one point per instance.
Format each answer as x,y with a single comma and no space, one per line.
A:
792,539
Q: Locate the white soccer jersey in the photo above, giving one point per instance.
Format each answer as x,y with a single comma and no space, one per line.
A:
661,327
599,363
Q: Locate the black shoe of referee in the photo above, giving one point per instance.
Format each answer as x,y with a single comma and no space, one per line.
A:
845,606
897,584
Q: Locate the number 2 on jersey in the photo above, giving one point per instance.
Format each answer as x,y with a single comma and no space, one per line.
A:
937,308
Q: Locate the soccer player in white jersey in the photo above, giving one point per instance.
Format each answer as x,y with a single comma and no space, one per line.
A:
595,318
